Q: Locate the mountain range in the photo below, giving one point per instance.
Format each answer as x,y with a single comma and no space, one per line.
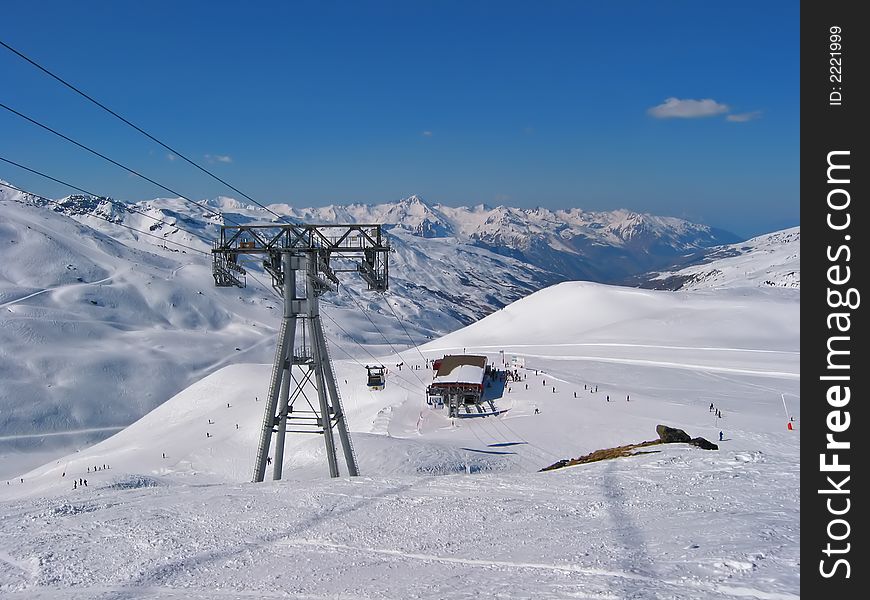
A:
94,309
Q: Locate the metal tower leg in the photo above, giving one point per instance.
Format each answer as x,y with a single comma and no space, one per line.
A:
319,361
283,404
341,421
280,370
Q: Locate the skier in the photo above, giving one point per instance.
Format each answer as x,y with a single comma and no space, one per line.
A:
720,436
627,397
608,398
268,460
711,407
75,484
537,411
164,455
554,389
86,483
575,394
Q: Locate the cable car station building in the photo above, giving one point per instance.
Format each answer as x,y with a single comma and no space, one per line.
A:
458,384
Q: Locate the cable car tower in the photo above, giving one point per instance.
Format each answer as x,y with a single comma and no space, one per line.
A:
315,254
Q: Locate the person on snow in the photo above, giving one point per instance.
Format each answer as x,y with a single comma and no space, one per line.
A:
720,436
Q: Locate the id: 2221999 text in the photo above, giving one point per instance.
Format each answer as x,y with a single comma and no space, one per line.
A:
835,98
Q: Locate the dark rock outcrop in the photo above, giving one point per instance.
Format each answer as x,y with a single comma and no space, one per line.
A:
671,435
703,443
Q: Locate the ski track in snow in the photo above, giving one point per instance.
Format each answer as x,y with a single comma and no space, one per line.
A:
23,436
58,289
436,350
670,365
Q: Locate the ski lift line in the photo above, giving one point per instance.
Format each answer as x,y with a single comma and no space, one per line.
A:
366,350
511,439
416,347
528,442
356,360
116,163
123,205
521,457
544,450
139,231
255,278
486,445
399,354
544,455
529,461
134,126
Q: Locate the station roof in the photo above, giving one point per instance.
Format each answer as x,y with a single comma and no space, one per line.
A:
461,369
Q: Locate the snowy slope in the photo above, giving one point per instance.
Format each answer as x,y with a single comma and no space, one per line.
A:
99,324
677,523
770,260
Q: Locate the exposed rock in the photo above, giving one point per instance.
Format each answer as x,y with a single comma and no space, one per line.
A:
667,435
703,444
671,435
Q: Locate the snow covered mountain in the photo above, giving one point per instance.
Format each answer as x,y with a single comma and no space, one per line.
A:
458,509
571,244
99,324
552,246
770,260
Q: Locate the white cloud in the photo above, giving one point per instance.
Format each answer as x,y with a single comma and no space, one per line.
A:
219,158
743,117
675,108
426,134
171,156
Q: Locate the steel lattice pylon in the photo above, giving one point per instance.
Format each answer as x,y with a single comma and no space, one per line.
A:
311,252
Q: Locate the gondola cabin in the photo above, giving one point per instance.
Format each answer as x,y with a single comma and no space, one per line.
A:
377,377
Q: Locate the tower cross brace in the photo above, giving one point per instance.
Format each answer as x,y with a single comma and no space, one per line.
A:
292,251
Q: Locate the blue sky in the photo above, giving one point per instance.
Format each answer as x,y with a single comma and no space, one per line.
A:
687,109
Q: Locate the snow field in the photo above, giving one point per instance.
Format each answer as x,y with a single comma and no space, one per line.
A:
457,509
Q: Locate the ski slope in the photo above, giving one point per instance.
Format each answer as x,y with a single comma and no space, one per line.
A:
457,509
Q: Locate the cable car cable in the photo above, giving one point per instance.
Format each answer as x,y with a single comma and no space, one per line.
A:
134,126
